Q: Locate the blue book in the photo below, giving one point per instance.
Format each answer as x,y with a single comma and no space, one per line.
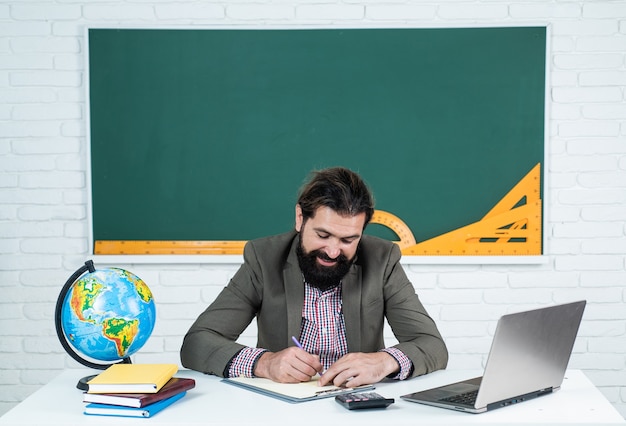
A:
118,410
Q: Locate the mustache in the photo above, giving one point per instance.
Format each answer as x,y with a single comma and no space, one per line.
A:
322,255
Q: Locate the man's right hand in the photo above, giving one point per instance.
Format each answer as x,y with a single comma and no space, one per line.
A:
291,365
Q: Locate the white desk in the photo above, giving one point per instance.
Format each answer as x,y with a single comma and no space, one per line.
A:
214,403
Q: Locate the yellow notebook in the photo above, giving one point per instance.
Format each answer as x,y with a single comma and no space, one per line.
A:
132,378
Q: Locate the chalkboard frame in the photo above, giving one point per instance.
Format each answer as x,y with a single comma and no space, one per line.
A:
407,259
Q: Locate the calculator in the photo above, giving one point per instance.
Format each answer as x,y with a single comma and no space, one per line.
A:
357,401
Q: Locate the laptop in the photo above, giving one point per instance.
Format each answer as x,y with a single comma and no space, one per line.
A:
528,358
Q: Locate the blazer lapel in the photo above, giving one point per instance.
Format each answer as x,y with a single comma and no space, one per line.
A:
351,303
294,294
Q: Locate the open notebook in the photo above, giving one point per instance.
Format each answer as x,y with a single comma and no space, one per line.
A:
292,392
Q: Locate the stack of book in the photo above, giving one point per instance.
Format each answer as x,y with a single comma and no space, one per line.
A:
135,390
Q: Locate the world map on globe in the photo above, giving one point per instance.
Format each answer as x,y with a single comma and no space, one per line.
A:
108,314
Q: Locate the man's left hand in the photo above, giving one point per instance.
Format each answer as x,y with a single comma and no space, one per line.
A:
358,368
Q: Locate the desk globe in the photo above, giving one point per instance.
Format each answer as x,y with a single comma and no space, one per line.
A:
103,316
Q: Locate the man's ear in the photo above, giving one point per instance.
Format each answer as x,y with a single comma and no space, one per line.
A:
299,217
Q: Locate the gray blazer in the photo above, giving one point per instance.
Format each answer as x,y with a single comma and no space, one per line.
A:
269,285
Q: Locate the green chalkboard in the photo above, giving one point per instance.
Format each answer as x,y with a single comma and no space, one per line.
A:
208,134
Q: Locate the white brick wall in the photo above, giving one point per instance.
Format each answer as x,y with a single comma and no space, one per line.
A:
43,196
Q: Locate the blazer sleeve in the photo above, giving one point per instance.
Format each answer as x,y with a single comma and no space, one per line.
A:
417,334
210,343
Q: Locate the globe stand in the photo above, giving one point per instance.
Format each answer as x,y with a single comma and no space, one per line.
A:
82,383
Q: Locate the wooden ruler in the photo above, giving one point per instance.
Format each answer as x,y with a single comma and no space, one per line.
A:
512,227
168,247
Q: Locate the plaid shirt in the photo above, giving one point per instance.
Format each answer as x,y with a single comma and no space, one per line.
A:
323,332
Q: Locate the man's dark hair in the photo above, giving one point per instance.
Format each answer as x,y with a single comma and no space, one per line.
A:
338,188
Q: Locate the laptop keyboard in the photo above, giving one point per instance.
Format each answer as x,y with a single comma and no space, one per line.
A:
468,398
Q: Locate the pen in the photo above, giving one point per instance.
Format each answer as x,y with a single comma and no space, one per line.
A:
296,342
334,390
300,346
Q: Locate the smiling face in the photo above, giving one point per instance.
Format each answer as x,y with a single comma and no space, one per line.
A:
328,245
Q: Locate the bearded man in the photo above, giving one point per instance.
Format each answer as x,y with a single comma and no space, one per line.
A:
320,295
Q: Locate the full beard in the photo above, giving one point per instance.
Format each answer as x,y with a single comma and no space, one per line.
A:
316,275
